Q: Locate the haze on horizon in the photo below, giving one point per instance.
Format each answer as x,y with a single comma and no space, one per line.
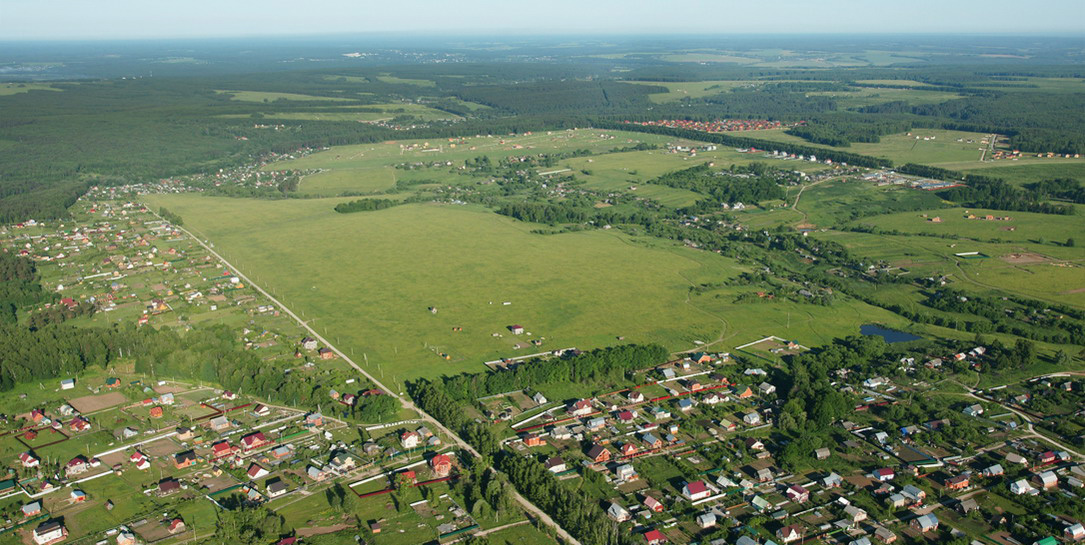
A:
28,20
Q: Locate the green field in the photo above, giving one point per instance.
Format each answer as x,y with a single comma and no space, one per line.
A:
372,276
368,112
262,96
406,81
901,148
1026,170
16,88
370,167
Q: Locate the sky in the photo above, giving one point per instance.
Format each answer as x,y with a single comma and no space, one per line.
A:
160,19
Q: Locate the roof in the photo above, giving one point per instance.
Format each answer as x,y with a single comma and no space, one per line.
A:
696,487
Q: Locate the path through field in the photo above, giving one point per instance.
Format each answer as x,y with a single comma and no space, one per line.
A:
403,400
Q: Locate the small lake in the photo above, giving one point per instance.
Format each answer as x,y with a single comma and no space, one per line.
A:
890,335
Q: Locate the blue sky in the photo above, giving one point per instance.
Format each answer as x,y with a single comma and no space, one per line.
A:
113,19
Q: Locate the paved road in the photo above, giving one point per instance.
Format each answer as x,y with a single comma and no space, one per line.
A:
404,401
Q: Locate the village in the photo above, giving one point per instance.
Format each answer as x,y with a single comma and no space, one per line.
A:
119,455
690,455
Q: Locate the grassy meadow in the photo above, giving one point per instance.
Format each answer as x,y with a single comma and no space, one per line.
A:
371,277
370,167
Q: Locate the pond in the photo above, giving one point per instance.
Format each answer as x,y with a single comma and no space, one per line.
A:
890,335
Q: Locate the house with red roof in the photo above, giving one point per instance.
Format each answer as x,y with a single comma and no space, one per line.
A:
441,465
221,449
695,490
654,537
253,441
29,460
76,466
653,504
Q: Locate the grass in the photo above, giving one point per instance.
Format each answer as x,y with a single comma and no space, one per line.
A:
1056,278
370,167
263,96
901,148
367,112
406,81
16,88
372,282
1026,170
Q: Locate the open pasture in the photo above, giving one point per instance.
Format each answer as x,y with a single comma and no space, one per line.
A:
1018,227
16,88
1025,170
901,148
1058,272
360,113
372,276
370,167
265,96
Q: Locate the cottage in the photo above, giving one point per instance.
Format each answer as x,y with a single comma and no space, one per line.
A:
993,471
185,434
625,473
883,474
618,513
314,420
168,486
821,453
967,506
327,354
598,454
695,490
798,494
32,509
1075,532
581,407
636,397
789,533
766,388
275,488
50,531
628,449
885,535
913,493
925,523
184,459
958,482
76,466
651,441
221,449
255,471
67,384
261,410
1047,480
539,399
409,439
752,419
441,464
754,443
29,460
832,480
973,410
176,526
166,399
219,423
596,424
316,473
764,474
555,464
654,537
141,461
706,520
653,504
854,514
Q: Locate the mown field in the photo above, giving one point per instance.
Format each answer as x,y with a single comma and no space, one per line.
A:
945,147
370,167
371,277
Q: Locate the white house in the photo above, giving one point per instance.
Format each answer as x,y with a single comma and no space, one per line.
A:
49,531
695,490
